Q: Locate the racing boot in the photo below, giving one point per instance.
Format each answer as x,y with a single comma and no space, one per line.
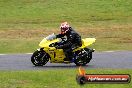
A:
68,53
68,57
66,60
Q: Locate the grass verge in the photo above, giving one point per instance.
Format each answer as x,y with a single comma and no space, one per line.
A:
25,41
23,22
64,78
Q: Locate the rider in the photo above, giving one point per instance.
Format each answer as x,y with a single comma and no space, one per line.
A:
73,40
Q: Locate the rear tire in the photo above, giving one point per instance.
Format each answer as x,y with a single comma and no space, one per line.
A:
39,58
89,54
81,61
83,58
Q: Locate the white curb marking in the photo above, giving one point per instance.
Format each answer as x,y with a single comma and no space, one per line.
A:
29,53
2,54
109,51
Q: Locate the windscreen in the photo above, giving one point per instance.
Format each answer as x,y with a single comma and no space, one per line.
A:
51,37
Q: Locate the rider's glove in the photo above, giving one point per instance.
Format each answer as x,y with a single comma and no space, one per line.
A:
58,47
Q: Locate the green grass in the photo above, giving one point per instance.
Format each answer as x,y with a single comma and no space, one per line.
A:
17,46
55,79
23,22
49,13
26,41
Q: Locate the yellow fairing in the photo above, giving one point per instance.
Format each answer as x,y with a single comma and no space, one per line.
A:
57,55
46,43
86,42
52,50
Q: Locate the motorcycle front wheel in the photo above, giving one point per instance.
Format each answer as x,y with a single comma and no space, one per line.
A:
39,58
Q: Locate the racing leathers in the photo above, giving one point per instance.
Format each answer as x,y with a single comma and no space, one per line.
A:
73,41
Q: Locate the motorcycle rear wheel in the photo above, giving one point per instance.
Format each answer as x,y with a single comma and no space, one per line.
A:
83,60
39,58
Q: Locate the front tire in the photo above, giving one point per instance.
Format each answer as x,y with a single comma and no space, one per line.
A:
39,58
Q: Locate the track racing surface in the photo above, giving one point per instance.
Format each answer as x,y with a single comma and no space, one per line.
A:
116,59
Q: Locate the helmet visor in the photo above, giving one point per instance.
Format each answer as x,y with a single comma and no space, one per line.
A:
64,30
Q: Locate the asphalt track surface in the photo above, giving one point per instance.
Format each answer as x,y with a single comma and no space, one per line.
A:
116,59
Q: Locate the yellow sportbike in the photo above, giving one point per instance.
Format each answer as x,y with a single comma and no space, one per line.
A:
48,53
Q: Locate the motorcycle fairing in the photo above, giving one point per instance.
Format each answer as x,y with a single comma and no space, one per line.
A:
57,55
85,43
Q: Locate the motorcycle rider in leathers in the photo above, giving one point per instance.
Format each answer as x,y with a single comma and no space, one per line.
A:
73,40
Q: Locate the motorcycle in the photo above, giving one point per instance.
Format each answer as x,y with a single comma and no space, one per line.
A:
48,53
